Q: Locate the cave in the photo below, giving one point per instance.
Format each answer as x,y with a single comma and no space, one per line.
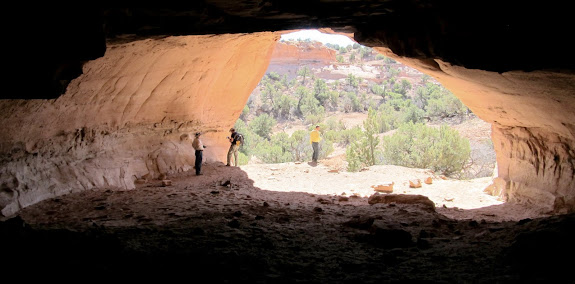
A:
101,97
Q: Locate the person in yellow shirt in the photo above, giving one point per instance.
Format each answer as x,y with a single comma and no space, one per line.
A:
314,139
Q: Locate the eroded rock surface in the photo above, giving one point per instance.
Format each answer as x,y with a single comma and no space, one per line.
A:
130,115
109,95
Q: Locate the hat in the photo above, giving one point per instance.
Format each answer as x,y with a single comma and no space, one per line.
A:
198,134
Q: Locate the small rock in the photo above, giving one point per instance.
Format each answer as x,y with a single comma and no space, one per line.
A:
166,182
415,183
343,198
402,199
324,201
386,187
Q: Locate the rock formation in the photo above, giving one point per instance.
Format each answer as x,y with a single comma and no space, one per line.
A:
303,53
111,95
131,114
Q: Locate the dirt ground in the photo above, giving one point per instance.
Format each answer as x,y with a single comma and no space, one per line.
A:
290,223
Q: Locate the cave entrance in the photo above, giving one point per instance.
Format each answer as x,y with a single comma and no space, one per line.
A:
383,125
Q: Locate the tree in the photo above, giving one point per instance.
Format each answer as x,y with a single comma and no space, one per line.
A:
352,57
304,72
352,80
320,91
378,89
284,106
402,88
362,153
351,103
370,131
299,145
262,125
439,102
245,112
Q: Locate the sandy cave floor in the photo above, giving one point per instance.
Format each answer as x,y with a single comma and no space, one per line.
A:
287,223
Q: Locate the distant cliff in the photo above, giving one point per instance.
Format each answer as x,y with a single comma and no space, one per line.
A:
288,57
313,52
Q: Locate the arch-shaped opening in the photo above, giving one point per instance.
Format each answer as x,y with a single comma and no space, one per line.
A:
130,124
332,81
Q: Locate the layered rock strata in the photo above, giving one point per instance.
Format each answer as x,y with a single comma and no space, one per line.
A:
532,128
130,115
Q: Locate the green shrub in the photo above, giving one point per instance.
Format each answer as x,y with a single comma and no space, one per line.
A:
333,124
348,135
416,145
412,113
299,146
243,159
271,153
262,125
362,153
251,139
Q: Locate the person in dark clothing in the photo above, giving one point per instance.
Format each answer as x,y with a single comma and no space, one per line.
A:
199,147
234,147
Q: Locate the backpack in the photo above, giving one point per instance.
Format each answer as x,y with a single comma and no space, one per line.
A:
239,139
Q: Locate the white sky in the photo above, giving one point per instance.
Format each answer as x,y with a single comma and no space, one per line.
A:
321,37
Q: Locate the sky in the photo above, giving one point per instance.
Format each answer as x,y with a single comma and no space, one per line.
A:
321,37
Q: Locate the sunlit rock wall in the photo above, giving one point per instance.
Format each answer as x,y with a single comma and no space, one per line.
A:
533,128
302,52
130,115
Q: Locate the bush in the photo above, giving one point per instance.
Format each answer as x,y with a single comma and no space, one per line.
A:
271,153
362,153
262,125
419,146
439,102
299,146
482,161
333,124
282,148
346,136
243,159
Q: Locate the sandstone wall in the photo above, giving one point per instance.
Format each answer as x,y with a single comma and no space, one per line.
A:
130,115
533,130
313,51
